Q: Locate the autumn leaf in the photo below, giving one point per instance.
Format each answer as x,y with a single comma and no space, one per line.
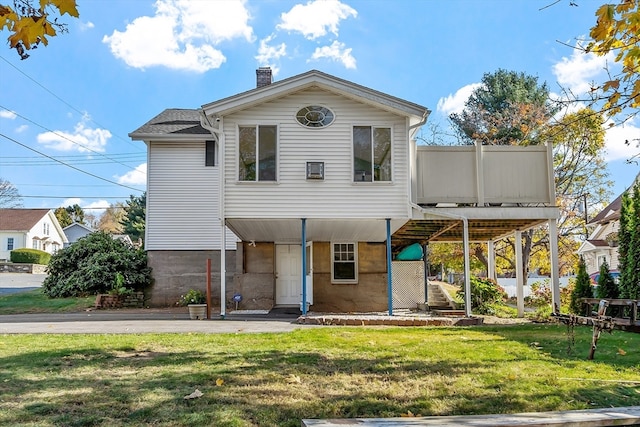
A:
197,393
621,352
219,382
66,6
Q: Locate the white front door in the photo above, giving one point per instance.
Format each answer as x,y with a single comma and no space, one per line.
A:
288,277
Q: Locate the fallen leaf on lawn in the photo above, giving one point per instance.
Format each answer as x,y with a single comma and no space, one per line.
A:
197,393
621,352
294,379
219,382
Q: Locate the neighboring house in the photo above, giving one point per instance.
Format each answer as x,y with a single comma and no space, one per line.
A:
75,231
319,162
29,228
602,243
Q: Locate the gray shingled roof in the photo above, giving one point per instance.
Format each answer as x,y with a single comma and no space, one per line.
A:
173,121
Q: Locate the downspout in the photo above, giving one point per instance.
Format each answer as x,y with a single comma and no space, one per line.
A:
465,243
219,136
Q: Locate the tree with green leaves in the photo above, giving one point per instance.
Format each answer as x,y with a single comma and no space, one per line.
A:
70,214
134,220
30,23
607,288
629,244
509,108
582,289
9,195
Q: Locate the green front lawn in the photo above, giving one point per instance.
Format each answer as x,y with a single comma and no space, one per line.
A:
278,379
35,301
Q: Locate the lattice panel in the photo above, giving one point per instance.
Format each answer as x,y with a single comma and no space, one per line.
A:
407,280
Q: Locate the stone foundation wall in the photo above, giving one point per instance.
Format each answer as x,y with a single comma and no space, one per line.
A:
10,267
175,272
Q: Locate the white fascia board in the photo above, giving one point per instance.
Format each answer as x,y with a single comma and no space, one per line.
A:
154,137
324,81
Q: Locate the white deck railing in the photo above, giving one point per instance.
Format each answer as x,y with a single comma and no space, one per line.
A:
483,174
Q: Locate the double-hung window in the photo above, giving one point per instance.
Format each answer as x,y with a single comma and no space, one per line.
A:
371,154
344,266
258,151
10,243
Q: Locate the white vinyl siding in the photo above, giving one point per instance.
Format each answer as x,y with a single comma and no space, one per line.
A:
336,196
183,199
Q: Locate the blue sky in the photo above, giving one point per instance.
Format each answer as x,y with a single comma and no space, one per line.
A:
123,61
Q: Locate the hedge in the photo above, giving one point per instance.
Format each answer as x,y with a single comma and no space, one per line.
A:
30,256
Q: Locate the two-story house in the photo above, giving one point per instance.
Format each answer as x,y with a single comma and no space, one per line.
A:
602,243
29,228
317,162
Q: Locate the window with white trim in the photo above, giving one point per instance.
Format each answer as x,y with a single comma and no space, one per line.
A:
257,153
371,154
10,243
209,153
344,265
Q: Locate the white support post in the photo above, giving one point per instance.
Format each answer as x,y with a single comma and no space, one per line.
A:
491,260
555,273
520,279
467,269
223,270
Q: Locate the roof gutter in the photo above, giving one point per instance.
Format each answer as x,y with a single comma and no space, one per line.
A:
219,137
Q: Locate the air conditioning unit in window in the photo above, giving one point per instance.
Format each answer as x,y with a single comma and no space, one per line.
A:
315,170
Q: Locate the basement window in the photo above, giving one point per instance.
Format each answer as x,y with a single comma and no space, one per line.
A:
344,265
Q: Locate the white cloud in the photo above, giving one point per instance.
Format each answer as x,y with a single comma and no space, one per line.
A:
94,208
615,137
82,139
71,201
454,103
267,54
338,52
316,18
84,26
21,128
183,34
6,114
577,72
138,176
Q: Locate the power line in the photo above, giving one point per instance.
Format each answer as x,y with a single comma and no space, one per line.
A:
71,197
63,101
66,164
68,139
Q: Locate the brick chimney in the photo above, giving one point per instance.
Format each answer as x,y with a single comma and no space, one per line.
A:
263,76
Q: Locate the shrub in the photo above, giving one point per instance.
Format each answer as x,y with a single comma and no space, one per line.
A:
193,296
581,290
540,298
91,266
484,294
30,256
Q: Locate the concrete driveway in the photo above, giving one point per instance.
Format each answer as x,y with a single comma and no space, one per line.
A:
11,283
